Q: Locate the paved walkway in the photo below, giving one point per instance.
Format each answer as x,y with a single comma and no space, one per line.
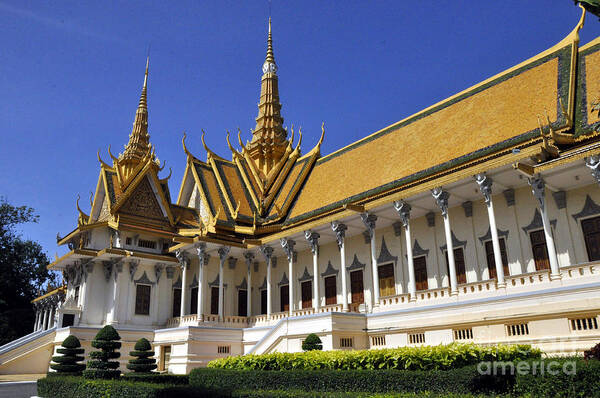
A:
18,389
28,377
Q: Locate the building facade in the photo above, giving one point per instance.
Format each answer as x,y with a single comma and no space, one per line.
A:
258,251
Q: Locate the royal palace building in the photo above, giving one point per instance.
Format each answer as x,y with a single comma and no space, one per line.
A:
490,235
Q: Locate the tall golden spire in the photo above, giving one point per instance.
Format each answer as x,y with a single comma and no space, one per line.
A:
139,140
269,138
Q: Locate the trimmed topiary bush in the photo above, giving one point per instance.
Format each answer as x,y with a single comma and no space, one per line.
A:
143,363
67,363
99,365
312,342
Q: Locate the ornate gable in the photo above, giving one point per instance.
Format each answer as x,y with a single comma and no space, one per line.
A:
142,202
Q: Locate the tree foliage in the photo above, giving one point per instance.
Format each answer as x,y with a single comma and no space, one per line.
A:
142,362
23,269
68,362
100,366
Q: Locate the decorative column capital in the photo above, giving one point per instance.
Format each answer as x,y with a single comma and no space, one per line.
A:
223,252
441,198
485,186
108,269
313,240
133,266
158,269
593,163
288,247
201,252
340,232
538,187
249,257
267,251
369,220
403,210
182,258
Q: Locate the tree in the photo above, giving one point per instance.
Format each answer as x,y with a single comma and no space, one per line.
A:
23,269
311,343
67,363
143,363
100,366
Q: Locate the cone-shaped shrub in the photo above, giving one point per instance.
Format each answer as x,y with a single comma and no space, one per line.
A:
99,365
143,363
67,363
312,342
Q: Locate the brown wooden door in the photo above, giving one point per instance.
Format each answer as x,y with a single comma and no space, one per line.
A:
420,264
263,301
176,302
284,296
591,233
459,263
330,291
306,288
491,260
194,301
540,250
357,287
387,285
214,300
242,302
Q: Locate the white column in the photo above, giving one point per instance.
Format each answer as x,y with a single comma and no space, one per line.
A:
403,210
183,264
249,256
117,268
441,197
340,234
288,246
538,189
485,186
158,270
369,221
45,319
202,262
37,318
313,241
86,269
268,253
223,252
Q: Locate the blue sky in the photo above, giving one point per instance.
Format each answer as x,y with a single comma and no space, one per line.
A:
71,74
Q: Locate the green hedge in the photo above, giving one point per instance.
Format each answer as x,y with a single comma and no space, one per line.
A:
464,381
584,383
441,357
69,387
159,378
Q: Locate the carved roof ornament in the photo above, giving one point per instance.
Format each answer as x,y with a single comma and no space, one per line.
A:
340,232
182,258
403,210
243,285
329,271
537,222
356,264
441,198
305,276
216,282
287,245
313,240
456,243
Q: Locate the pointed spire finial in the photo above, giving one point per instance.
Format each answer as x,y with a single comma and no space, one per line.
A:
270,65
